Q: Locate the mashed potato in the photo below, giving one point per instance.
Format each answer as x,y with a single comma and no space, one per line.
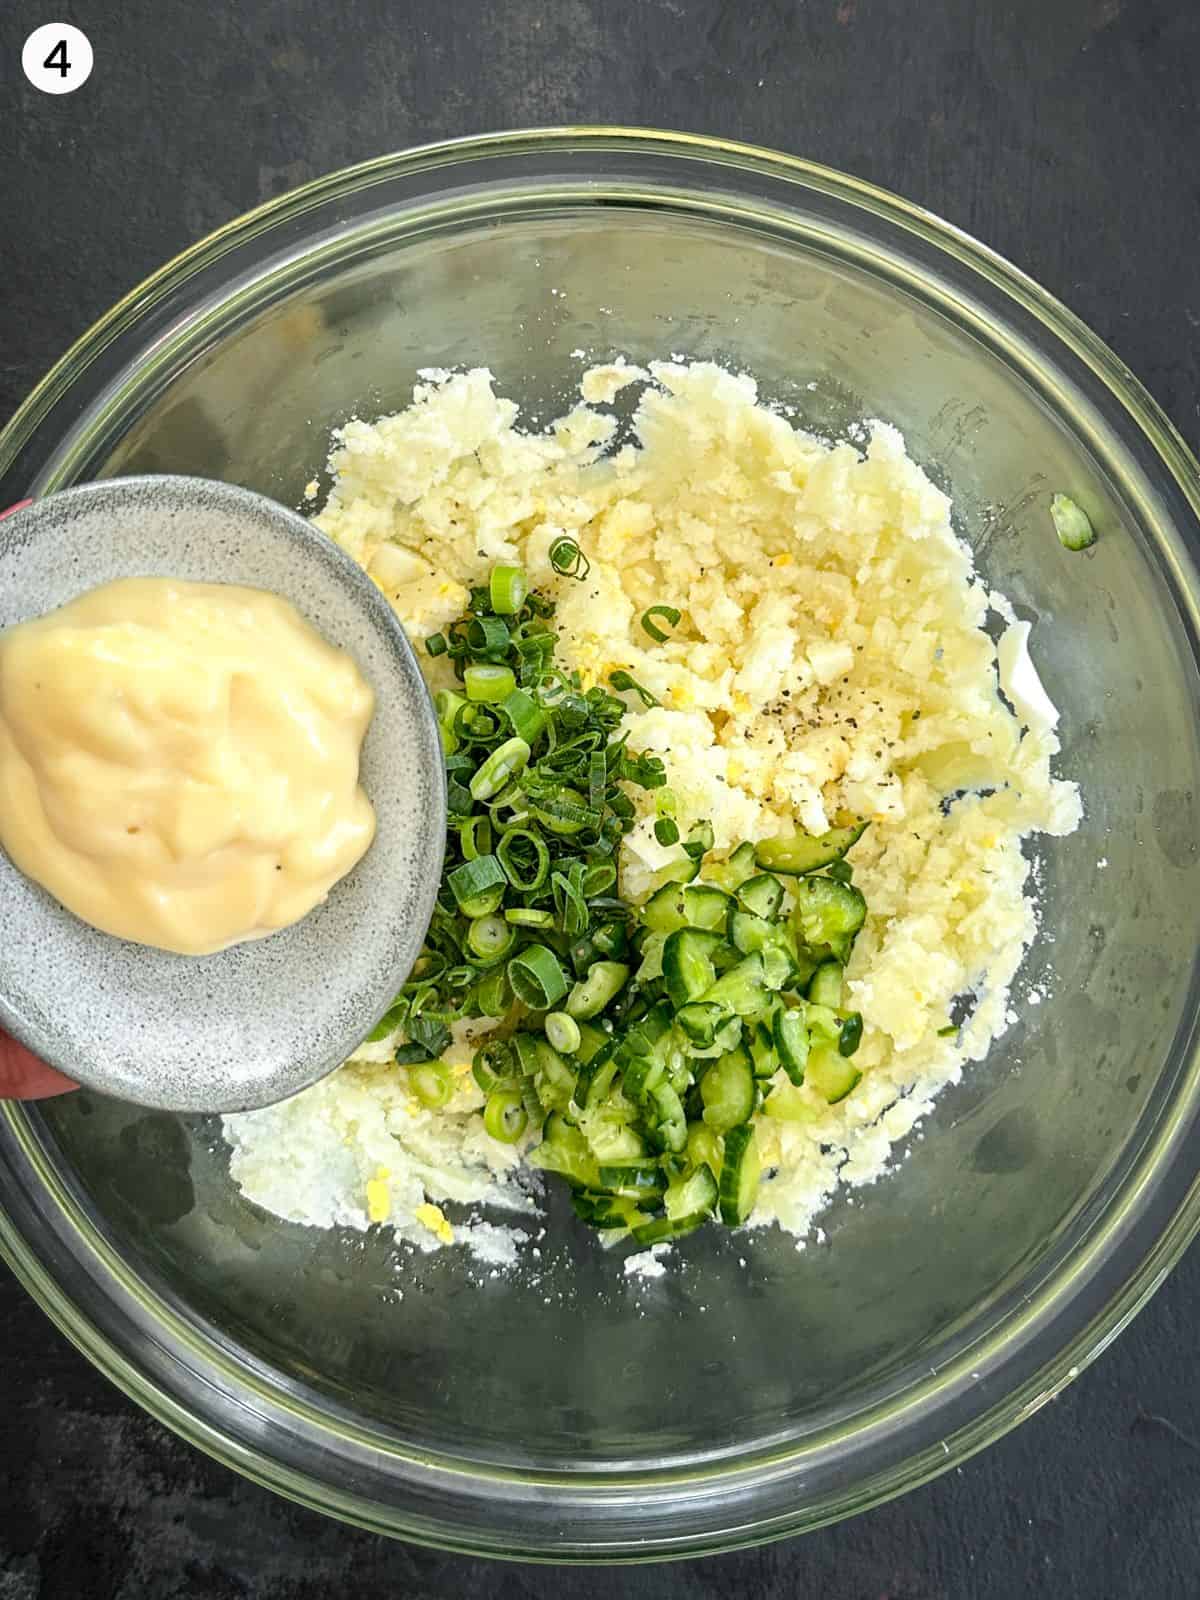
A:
831,658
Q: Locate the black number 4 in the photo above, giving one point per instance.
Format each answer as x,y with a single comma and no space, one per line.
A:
57,59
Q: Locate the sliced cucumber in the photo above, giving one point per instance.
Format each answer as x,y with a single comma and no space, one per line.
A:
606,1211
681,871
830,1074
734,870
697,905
828,914
763,1055
669,1131
646,1182
565,1150
761,895
728,1091
660,1229
701,1021
826,986
704,1146
798,853
791,1039
591,994
688,964
742,989
591,1041
695,1191
741,1170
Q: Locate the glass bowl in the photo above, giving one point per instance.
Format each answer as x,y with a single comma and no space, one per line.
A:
565,1411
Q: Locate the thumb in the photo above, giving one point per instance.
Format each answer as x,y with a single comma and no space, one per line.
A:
24,1077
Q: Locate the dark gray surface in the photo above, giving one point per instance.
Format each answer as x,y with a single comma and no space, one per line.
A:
1062,132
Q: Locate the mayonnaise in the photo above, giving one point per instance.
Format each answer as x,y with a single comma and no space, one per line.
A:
179,761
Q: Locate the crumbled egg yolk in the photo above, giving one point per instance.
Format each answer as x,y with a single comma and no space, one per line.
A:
433,1218
379,1196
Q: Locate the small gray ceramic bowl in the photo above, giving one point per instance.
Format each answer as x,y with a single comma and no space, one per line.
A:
262,1020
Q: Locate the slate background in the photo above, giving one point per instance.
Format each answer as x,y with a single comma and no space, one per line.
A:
1062,132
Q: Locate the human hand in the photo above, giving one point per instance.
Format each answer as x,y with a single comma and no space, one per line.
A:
24,1077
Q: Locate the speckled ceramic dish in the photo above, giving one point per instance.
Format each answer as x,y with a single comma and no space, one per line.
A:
261,1020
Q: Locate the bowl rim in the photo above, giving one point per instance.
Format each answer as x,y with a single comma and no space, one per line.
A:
1165,1236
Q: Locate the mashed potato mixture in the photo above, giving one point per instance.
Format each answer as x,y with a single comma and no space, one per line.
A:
831,659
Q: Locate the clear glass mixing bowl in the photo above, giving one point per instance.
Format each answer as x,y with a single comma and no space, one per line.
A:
754,1391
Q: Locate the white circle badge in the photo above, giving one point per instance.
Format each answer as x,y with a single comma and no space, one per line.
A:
57,58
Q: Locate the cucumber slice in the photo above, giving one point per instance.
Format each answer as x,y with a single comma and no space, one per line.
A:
830,1074
646,1182
727,1037
791,1038
828,914
641,1076
787,1103
701,1021
670,1125
591,1041
761,895
764,1057
740,1174
590,996
565,1150
734,870
704,1147
798,853
606,1211
595,1076
610,1135
742,990
696,905
748,932
694,1192
660,1229
826,986
681,871
728,1091
688,964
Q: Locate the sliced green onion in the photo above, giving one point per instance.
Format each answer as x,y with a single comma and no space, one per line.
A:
510,758
568,559
1071,523
488,636
449,739
598,879
492,994
622,680
430,1082
491,937
536,977
436,644
489,682
529,917
514,852
563,1032
671,615
475,878
447,704
475,836
666,830
527,717
504,1116
507,589
494,1066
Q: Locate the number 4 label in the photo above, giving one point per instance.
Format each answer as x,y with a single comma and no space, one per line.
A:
57,58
